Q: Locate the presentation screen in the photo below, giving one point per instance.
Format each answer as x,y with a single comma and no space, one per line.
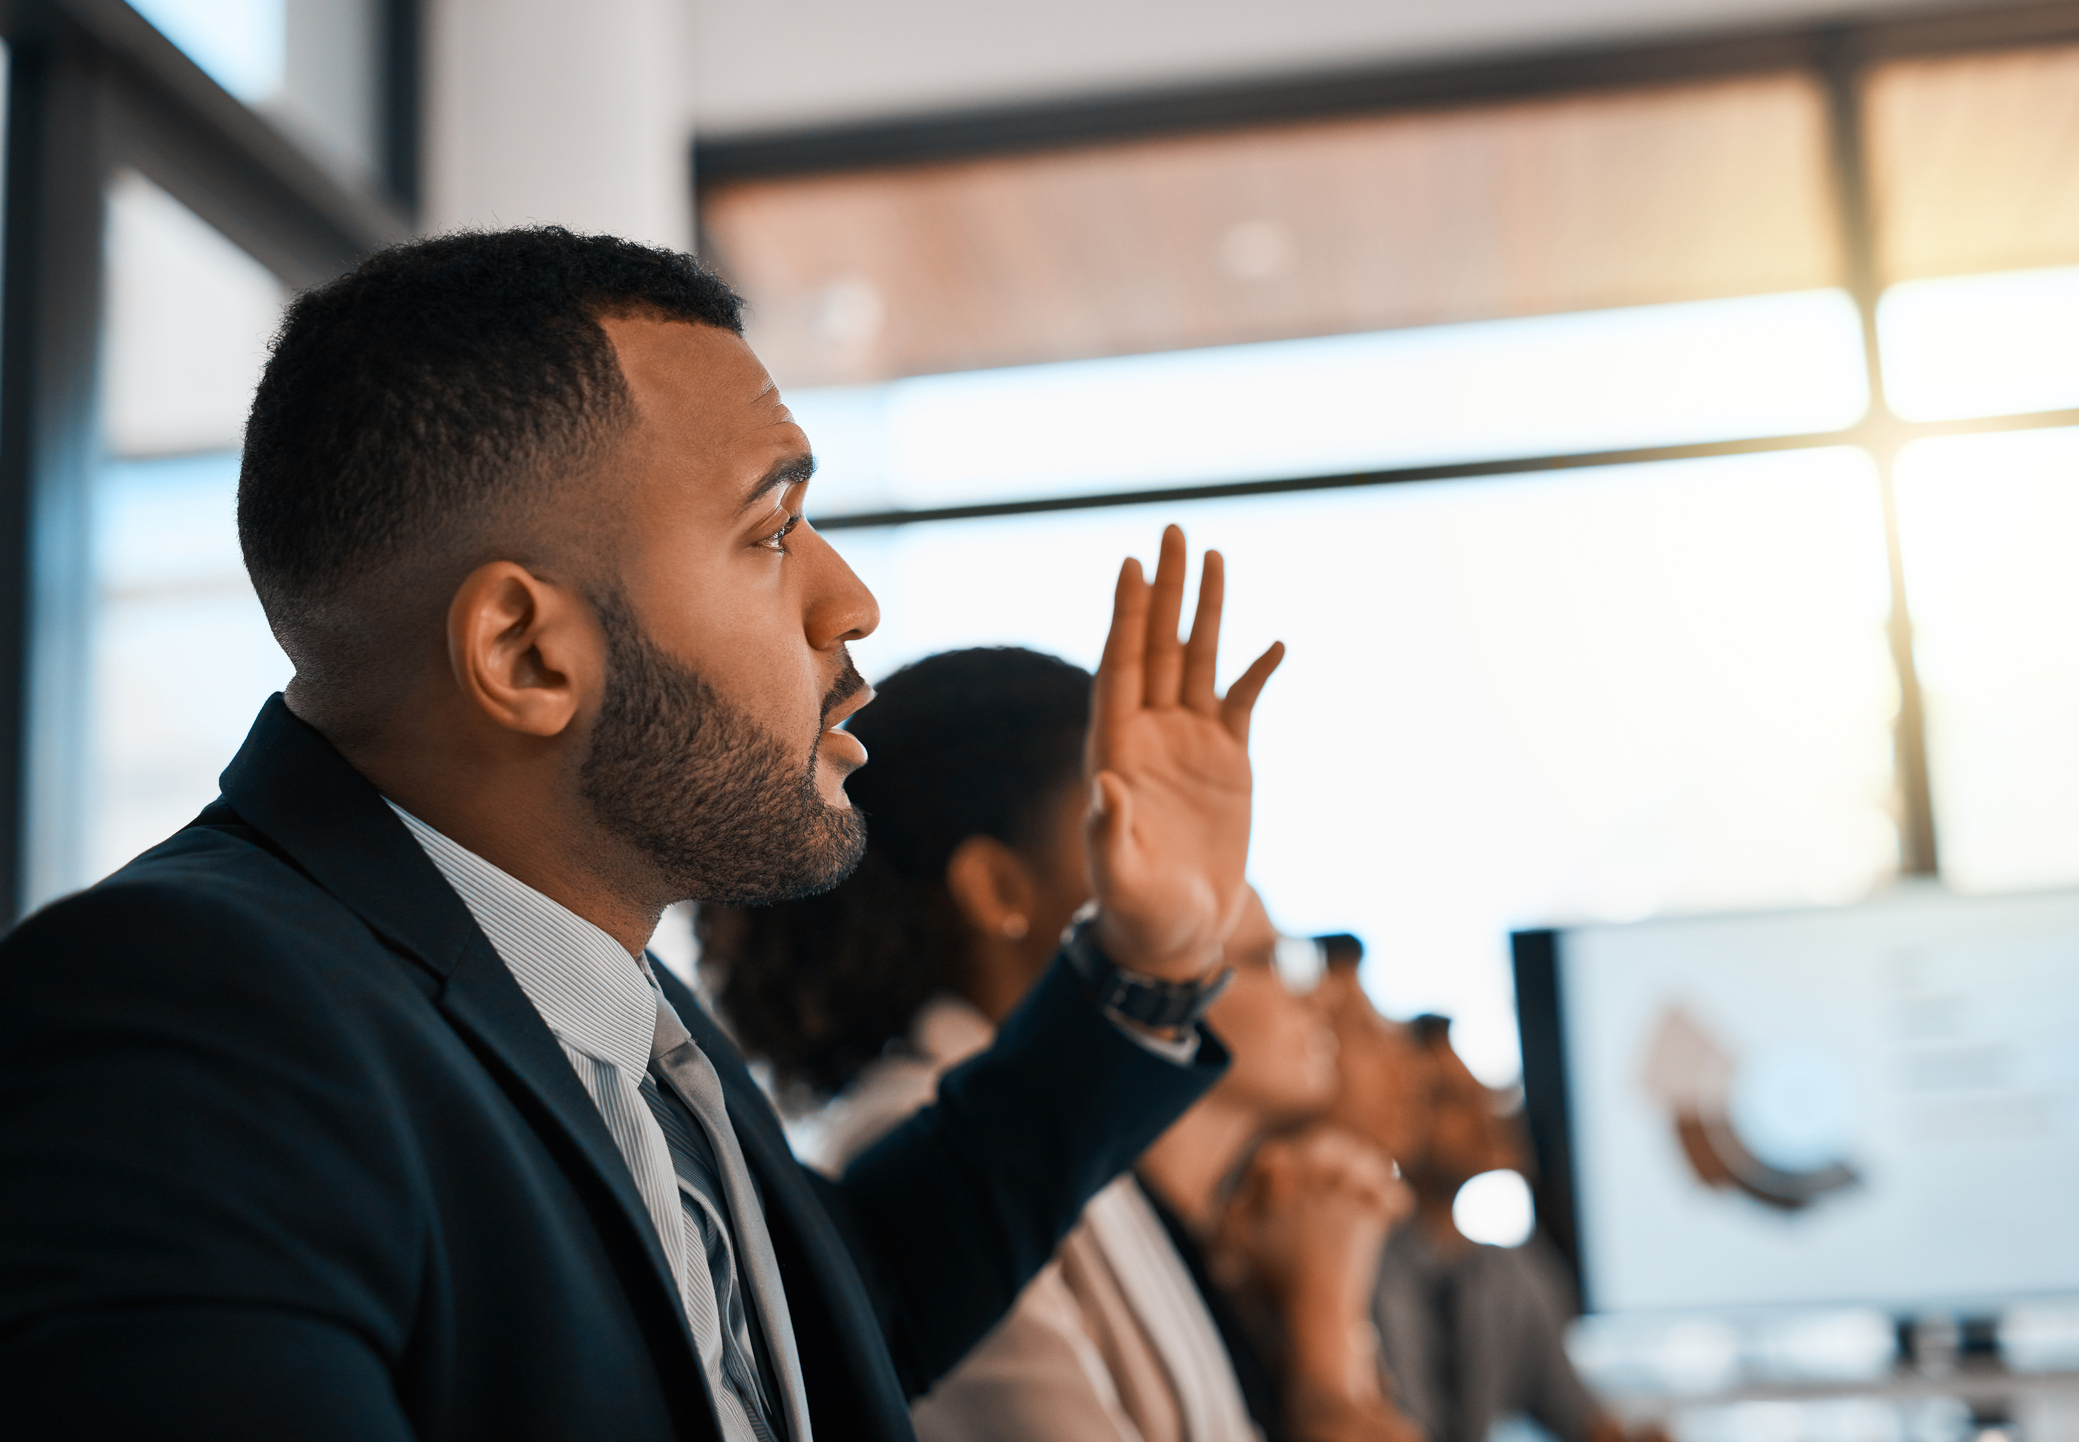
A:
1874,1104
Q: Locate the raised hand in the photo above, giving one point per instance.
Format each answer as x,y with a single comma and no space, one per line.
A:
1169,765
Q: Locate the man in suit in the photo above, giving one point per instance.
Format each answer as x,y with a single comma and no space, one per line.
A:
356,1111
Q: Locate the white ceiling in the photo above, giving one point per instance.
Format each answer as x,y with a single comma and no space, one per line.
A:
779,64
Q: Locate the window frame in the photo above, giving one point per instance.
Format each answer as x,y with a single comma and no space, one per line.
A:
93,87
1838,57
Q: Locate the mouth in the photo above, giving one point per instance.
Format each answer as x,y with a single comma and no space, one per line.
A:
838,744
854,700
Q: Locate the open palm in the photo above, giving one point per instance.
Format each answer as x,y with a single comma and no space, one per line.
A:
1169,759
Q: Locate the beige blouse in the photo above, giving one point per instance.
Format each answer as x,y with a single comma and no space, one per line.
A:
1111,1342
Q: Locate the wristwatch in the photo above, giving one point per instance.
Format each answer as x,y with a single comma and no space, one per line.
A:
1144,1000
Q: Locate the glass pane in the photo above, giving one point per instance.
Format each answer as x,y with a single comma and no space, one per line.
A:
311,66
1517,701
1582,202
1971,159
188,321
1988,524
1653,375
1981,345
240,43
181,656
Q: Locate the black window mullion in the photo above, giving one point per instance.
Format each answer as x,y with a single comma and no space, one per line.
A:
57,163
1841,65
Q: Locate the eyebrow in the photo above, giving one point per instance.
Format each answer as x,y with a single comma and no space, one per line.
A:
791,471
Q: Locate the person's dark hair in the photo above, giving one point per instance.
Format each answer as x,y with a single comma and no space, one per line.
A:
413,407
965,743
1340,950
1430,1028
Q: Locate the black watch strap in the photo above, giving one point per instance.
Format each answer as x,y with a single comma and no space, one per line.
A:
1144,1000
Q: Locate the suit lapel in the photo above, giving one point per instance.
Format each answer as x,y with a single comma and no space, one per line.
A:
289,782
486,1005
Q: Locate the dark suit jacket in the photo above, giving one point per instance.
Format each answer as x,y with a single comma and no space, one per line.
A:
286,1153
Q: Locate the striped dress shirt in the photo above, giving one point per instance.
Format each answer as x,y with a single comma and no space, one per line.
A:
601,1004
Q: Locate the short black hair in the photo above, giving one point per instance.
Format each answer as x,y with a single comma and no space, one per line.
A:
979,742
421,397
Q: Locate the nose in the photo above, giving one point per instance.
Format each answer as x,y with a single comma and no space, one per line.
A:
839,607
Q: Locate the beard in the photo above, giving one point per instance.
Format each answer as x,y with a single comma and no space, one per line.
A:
716,803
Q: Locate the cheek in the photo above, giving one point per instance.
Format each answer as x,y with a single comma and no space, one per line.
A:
1282,1051
1403,1116
1245,1021
780,691
727,613
1459,1136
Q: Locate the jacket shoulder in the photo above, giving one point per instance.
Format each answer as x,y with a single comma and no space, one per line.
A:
211,870
210,910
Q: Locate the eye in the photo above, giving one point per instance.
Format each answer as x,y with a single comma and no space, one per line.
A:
777,541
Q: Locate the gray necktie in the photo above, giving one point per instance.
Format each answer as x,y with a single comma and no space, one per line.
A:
680,1061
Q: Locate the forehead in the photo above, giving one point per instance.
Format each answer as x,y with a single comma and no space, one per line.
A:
1453,1073
701,394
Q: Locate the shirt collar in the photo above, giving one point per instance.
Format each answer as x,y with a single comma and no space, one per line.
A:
591,992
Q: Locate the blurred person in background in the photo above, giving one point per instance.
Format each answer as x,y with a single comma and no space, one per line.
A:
1388,1074
975,861
1470,1332
1280,1212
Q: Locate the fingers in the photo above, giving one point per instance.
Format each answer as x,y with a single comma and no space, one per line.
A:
1241,696
1145,664
1202,654
1116,694
1165,653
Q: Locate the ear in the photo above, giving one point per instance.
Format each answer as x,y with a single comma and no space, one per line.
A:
993,888
527,652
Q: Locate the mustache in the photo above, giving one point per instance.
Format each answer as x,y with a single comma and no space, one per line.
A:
849,683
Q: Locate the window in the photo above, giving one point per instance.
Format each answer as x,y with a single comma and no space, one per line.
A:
1542,385
1506,701
1978,212
316,68
1988,523
182,657
1356,224
1540,426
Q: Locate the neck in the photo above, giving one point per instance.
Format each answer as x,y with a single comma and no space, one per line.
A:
998,974
515,805
1187,1163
